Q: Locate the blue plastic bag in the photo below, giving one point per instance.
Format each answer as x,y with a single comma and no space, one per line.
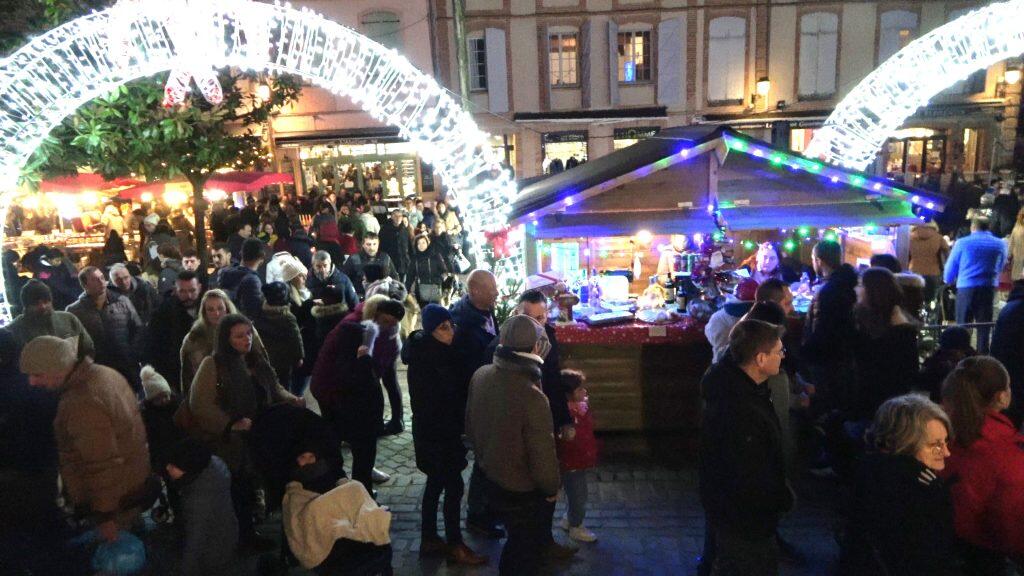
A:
123,557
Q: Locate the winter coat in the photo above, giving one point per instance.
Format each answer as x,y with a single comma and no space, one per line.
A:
245,288
426,267
314,522
169,270
474,331
901,518
437,396
385,348
353,267
63,284
161,431
335,288
29,325
283,340
887,366
551,378
742,463
829,329
235,242
348,387
170,324
508,422
325,227
101,440
197,346
1008,342
143,297
116,329
928,251
579,453
396,242
211,422
300,245
211,529
986,482
26,424
720,325
443,246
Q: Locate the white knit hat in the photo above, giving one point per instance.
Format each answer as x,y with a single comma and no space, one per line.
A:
292,268
153,383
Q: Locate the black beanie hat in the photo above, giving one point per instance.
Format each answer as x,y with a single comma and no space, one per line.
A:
276,293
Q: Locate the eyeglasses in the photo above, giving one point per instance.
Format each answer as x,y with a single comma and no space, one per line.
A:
939,446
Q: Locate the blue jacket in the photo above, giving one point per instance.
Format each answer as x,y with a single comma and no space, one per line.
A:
976,261
337,286
211,530
245,288
471,336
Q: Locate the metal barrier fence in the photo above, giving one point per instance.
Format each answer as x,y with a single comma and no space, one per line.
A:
981,334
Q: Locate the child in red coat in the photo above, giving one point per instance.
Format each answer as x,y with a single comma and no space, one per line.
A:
577,451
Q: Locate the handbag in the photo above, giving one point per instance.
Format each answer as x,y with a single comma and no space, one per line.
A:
428,292
462,264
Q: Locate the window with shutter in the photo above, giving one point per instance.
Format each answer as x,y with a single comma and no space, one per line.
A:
819,42
727,59
562,58
897,29
635,56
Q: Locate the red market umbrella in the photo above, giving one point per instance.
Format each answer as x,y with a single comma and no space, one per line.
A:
80,182
140,188
247,181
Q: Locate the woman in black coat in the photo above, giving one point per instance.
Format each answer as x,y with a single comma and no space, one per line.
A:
438,399
427,270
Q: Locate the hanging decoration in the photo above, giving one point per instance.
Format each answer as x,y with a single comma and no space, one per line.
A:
56,73
882,101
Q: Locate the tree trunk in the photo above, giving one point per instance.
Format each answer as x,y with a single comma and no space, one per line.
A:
199,206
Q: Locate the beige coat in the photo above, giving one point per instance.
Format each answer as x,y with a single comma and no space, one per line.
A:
198,344
928,251
1016,251
313,522
101,440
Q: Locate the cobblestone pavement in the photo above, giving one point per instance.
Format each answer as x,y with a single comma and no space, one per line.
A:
643,507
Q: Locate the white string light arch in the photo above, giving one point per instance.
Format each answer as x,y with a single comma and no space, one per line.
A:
883,100
56,73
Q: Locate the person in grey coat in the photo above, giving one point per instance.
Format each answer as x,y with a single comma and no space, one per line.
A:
142,294
112,323
203,483
508,422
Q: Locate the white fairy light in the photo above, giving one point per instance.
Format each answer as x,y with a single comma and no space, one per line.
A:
882,101
56,73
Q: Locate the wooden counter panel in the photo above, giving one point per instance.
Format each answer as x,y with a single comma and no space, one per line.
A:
613,374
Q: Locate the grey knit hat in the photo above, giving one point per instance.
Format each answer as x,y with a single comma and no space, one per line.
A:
520,333
49,354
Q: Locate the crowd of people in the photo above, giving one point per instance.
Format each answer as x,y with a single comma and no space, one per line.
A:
162,384
930,450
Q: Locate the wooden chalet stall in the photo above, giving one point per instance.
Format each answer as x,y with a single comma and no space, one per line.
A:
620,213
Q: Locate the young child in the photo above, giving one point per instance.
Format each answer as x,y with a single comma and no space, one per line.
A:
577,452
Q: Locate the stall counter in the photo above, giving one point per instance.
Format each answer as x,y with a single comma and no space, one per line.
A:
640,377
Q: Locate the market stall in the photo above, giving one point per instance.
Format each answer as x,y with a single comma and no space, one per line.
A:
665,211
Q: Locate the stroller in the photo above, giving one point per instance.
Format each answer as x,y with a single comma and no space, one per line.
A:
274,439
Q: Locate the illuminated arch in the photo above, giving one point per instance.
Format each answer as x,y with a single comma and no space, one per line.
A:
54,74
880,103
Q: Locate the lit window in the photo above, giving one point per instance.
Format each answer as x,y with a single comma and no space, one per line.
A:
562,59
634,56
799,138
727,59
898,28
383,27
477,64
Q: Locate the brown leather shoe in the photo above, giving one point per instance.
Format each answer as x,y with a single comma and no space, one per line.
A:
433,546
463,555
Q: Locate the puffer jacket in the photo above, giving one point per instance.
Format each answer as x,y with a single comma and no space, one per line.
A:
244,287
116,330
101,440
283,340
928,251
29,325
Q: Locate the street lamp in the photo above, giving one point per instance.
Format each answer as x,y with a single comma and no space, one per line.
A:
761,90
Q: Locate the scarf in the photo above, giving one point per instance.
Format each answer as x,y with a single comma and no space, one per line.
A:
239,393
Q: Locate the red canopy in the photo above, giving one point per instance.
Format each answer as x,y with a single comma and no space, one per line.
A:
247,181
80,182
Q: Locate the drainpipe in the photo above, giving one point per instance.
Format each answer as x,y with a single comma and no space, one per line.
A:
461,49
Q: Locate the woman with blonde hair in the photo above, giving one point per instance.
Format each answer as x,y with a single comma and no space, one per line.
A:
1016,245
987,464
199,342
901,520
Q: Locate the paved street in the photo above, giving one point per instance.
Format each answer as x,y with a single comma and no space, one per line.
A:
643,507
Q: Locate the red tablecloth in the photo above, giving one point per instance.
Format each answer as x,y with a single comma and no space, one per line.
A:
684,331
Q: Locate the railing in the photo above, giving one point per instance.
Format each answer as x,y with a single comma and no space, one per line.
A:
930,335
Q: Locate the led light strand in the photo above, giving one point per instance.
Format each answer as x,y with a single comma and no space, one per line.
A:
54,74
882,101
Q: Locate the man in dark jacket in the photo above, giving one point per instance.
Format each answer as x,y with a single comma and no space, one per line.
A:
242,282
395,241
348,389
326,278
829,330
169,326
370,254
1008,346
142,295
475,328
742,469
508,422
112,323
238,238
300,245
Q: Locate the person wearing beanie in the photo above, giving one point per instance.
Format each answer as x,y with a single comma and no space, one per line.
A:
242,282
348,388
508,423
40,319
954,346
721,322
158,410
104,457
438,403
203,484
279,330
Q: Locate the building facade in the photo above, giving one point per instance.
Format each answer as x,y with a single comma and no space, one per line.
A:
560,81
